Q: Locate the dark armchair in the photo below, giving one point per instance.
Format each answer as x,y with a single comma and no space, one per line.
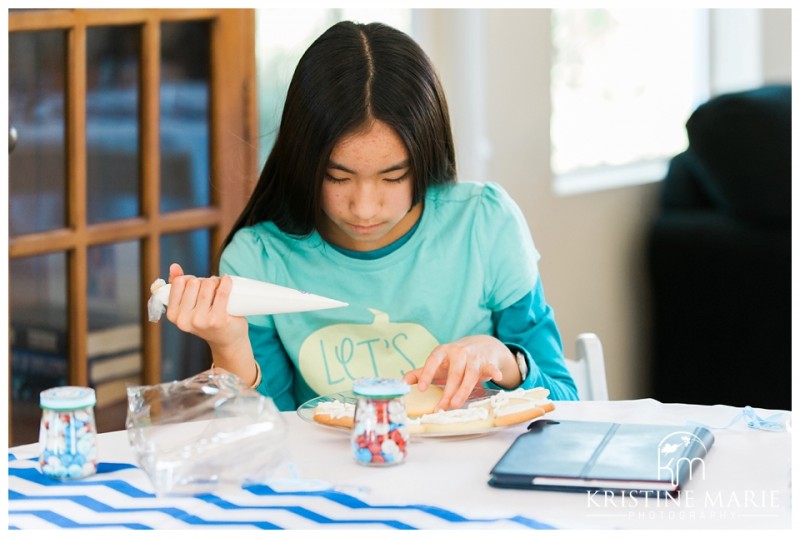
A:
719,257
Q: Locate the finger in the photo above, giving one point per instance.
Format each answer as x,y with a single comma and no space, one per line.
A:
412,377
219,307
191,289
440,378
188,301
455,374
430,368
471,377
222,295
206,293
175,271
175,297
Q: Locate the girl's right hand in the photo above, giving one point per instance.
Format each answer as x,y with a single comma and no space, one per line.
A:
200,306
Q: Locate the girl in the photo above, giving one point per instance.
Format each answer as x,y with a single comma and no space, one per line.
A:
358,201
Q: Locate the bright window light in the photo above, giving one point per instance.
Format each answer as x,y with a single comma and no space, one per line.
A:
282,36
623,83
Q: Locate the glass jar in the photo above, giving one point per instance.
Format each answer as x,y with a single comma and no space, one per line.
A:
380,434
67,433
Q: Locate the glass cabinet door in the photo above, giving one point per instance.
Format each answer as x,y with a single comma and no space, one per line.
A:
37,165
118,117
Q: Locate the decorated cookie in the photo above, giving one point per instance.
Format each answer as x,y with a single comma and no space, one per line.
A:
335,413
420,403
457,420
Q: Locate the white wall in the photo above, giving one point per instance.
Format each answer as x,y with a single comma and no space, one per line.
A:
592,245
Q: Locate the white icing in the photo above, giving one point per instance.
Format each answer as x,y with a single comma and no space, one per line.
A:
511,409
335,409
536,396
455,416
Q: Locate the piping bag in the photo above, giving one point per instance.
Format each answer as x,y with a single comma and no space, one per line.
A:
249,298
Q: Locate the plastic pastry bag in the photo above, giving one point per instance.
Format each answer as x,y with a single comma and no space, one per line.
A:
196,435
249,298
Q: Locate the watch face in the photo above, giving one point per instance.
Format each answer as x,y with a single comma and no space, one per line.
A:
522,364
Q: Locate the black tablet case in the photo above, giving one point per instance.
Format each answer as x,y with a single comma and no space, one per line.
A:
634,459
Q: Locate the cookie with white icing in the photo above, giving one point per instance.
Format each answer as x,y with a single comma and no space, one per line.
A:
465,420
513,407
335,413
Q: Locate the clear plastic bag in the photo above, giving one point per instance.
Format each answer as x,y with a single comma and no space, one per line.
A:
209,430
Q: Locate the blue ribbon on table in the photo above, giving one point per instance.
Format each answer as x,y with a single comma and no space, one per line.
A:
771,424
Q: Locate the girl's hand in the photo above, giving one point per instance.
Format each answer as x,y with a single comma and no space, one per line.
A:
463,364
200,306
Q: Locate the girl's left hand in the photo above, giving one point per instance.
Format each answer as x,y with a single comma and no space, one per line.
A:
462,364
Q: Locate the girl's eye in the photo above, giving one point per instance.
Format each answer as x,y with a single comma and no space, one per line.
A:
335,179
396,179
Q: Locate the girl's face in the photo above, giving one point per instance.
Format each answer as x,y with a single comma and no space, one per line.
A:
367,190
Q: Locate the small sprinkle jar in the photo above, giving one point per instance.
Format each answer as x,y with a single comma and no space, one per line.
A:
67,433
380,434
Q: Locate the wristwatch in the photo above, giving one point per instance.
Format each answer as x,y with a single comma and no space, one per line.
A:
522,363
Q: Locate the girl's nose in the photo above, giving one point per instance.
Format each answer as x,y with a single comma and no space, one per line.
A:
365,202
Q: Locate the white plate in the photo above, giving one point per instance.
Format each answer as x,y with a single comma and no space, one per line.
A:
306,412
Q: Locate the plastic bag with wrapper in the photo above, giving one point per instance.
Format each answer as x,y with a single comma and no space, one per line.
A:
207,431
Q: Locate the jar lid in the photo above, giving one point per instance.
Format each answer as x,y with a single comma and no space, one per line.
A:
66,398
379,387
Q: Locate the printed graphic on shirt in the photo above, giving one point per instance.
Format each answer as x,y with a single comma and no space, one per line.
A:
332,357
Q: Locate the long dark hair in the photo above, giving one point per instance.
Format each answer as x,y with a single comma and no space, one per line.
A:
351,75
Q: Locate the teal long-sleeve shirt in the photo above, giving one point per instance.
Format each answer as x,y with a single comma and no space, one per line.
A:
528,326
467,267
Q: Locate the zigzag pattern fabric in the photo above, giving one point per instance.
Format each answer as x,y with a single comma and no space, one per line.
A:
121,496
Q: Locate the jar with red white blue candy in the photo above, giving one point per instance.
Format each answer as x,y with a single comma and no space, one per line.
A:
380,434
67,433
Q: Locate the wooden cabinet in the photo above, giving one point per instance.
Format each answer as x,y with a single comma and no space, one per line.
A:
136,146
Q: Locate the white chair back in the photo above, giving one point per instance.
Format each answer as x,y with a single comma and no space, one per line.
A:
588,368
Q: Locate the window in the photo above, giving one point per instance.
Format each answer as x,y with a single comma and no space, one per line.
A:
624,81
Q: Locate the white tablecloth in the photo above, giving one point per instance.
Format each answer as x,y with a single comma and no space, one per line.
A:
442,485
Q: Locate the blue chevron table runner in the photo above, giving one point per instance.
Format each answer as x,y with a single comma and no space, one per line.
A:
121,496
